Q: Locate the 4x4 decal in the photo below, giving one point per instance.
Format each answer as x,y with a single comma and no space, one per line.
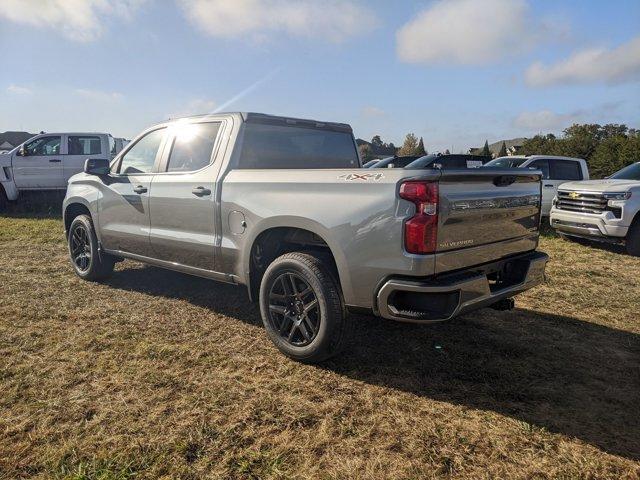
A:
364,177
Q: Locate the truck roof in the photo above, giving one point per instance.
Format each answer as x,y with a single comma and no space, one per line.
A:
264,118
72,133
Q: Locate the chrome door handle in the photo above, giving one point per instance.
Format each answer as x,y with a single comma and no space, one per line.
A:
201,191
548,186
139,189
54,160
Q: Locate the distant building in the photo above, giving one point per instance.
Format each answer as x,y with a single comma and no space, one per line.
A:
514,146
10,140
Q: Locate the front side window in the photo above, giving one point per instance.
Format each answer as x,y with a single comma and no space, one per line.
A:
565,170
279,146
541,165
192,146
142,156
43,146
85,145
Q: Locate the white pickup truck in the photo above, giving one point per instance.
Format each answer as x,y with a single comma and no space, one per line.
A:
48,160
555,170
603,210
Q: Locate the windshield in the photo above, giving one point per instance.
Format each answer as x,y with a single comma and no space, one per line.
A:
394,162
506,162
632,172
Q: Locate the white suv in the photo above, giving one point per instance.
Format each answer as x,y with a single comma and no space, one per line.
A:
555,171
605,210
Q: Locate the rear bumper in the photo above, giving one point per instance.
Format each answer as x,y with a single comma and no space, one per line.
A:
448,296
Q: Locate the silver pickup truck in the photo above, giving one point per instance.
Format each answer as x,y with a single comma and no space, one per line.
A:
281,206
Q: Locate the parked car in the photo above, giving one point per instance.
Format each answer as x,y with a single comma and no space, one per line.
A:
604,210
555,171
370,163
448,161
396,162
47,161
282,206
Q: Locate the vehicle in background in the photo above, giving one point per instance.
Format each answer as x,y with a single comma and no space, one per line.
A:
555,171
449,161
604,210
282,206
371,163
117,145
47,161
396,162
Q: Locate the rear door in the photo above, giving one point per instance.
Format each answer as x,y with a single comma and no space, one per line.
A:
124,206
41,166
182,199
79,149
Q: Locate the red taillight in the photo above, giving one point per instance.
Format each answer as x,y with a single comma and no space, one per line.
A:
421,230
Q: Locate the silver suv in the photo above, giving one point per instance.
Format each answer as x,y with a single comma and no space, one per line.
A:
282,206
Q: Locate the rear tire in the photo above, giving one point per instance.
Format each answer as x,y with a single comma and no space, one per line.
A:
633,238
302,309
86,259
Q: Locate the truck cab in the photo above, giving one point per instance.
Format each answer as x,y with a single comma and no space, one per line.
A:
48,160
556,170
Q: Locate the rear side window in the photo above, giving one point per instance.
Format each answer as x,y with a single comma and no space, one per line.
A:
83,145
192,146
142,156
541,165
277,146
565,170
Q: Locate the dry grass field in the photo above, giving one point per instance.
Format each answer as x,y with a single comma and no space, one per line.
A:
155,374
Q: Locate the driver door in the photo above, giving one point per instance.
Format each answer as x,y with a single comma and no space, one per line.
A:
41,165
124,206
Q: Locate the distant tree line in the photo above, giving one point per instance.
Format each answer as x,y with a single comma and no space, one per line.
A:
377,148
606,148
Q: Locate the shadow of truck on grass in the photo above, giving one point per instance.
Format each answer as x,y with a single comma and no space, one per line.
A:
568,376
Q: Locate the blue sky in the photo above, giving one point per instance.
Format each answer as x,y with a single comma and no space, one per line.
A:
455,72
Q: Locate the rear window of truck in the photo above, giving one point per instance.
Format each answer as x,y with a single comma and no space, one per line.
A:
278,146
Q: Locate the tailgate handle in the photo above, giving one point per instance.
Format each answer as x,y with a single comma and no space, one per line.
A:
504,180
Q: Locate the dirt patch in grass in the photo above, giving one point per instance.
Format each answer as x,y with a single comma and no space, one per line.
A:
156,374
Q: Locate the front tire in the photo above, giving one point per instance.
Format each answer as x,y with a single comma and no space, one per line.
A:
84,254
633,239
302,309
4,202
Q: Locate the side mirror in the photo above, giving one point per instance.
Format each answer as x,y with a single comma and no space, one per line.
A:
96,166
22,152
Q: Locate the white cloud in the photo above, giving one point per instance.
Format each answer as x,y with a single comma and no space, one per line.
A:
99,95
545,120
471,32
334,20
19,90
80,20
595,65
373,112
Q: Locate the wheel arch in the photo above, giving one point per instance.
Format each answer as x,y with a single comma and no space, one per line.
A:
280,236
72,209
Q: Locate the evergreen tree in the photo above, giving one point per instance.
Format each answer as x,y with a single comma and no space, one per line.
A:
485,150
503,150
420,149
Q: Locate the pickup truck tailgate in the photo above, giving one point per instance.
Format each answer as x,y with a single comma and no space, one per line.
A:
486,214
